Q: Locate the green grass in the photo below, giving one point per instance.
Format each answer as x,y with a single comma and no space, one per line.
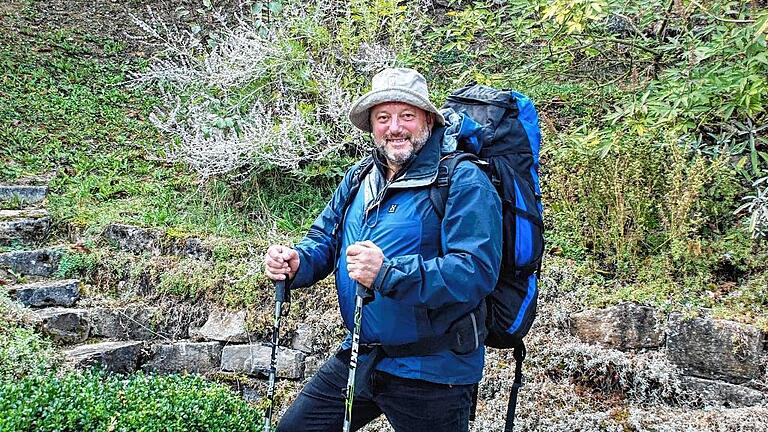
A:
66,107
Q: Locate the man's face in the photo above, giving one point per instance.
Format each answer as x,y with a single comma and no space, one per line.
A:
400,130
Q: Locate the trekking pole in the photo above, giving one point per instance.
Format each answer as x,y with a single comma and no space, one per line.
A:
363,295
282,295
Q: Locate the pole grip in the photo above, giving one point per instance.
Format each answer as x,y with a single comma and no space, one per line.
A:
282,292
365,293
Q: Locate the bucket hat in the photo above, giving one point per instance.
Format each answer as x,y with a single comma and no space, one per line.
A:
393,85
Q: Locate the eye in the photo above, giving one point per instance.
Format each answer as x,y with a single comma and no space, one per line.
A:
408,116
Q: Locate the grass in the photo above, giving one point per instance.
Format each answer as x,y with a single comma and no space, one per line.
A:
65,107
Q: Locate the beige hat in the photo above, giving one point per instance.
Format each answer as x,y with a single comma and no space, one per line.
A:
393,85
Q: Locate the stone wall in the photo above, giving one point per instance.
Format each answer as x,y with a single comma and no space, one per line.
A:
717,360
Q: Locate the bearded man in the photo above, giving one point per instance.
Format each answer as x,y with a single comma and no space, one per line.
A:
381,230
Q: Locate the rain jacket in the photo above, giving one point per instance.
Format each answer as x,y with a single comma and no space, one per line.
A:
434,272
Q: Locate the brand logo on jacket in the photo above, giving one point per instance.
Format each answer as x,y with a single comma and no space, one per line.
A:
392,208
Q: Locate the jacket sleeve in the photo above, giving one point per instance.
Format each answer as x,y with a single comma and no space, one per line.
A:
317,250
471,240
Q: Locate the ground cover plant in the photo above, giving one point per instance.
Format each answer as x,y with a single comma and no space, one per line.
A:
95,401
37,392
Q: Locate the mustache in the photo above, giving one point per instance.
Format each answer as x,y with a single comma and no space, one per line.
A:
406,135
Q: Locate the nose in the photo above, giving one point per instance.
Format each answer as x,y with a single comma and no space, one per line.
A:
394,125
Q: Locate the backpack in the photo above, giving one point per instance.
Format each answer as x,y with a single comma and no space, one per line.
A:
500,133
506,142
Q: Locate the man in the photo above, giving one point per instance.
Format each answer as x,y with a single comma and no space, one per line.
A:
425,273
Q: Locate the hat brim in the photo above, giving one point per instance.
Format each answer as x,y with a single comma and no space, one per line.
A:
359,113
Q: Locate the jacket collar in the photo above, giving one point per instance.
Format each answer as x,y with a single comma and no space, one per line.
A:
420,171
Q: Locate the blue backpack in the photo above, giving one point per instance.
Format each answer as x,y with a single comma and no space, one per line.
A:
499,130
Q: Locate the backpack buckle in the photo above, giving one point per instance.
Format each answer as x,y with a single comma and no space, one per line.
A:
442,176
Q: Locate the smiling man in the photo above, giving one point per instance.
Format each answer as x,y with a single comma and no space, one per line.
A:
427,273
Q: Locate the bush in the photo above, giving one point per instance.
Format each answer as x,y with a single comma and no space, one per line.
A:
23,353
623,198
96,401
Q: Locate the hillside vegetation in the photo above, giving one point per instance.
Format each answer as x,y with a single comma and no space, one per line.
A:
227,121
230,124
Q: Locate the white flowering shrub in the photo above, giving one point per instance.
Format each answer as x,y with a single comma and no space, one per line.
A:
253,94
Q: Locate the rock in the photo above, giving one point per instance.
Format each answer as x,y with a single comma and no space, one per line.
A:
192,248
134,239
25,226
253,395
25,193
312,365
63,325
125,323
618,25
626,326
254,359
225,326
304,339
48,293
190,357
117,357
708,393
714,349
41,262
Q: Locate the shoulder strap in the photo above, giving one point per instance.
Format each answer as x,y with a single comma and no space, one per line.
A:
438,193
363,168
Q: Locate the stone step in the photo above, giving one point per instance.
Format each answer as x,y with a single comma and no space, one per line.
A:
63,325
26,194
708,393
47,293
714,349
134,322
40,262
119,357
225,326
25,226
255,359
184,357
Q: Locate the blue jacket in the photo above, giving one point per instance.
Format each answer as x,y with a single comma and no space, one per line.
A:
434,271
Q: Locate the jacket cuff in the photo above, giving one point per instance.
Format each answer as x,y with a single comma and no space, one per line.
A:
303,275
380,283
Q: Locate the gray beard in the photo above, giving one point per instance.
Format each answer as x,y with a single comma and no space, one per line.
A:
400,161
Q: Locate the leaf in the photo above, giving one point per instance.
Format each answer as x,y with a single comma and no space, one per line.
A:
207,4
763,29
275,7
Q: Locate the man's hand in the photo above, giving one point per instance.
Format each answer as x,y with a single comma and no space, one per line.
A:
281,263
364,260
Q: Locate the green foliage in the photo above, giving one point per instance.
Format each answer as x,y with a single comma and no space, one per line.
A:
624,198
96,401
24,353
653,116
75,264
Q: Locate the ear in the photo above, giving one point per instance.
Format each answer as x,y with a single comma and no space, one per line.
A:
430,119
